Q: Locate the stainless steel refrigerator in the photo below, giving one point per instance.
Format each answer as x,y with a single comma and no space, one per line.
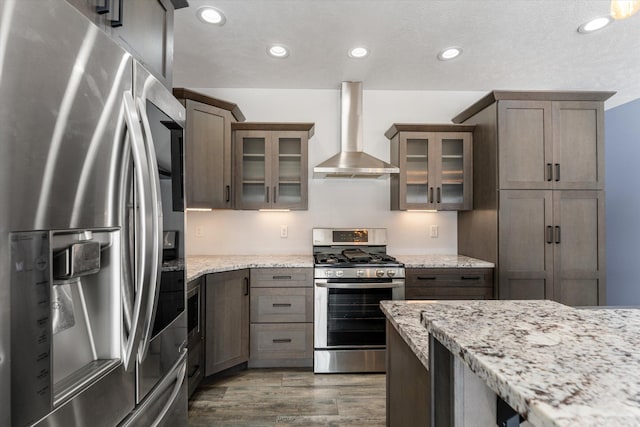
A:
92,315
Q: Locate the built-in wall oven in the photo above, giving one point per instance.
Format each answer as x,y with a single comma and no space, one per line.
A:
352,274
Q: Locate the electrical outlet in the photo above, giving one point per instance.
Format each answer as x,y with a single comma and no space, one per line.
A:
284,231
199,231
434,231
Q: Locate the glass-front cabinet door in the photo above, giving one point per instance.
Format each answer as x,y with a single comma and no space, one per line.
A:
252,154
289,171
435,167
454,174
415,171
271,165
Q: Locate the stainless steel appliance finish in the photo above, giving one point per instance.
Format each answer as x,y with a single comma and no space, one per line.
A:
352,274
352,161
81,221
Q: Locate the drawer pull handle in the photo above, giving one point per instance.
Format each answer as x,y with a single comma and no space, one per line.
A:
426,278
282,305
101,10
281,340
470,277
118,22
281,277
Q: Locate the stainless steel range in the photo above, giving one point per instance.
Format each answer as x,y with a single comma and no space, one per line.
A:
352,274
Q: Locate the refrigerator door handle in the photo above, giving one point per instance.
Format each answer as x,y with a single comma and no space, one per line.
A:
155,255
140,177
182,371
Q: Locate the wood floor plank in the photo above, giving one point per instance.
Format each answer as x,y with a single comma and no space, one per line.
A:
289,397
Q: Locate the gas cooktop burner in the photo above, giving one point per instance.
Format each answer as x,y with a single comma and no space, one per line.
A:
347,259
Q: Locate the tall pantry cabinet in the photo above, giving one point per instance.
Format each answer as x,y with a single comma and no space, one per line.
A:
539,194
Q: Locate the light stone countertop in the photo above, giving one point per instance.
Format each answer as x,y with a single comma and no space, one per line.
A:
442,261
557,365
199,265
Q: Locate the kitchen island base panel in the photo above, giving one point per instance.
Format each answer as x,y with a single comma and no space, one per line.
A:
469,402
348,361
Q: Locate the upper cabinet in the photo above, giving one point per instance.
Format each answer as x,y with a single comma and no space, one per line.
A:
271,165
144,28
548,140
435,167
208,151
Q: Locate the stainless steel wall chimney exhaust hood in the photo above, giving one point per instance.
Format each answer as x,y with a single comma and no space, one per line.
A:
351,161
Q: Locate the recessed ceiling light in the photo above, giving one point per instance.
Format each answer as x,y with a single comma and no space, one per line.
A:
358,52
278,51
449,53
594,25
211,15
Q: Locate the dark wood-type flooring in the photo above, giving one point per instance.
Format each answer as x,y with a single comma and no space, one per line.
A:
289,397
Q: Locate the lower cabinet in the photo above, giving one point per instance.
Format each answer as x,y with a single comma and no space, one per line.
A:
408,384
449,283
281,317
226,320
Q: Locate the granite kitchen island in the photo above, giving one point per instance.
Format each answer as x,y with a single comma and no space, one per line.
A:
553,364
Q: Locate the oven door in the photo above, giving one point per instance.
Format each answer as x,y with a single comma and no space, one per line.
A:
347,312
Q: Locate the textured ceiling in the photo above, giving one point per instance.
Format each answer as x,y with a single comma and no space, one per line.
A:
508,44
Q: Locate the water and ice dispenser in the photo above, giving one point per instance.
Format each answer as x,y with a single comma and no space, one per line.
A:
66,315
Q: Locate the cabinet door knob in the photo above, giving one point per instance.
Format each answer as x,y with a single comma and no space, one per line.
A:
549,172
426,278
266,189
557,234
281,340
549,234
228,198
430,195
557,171
438,195
246,286
275,192
277,305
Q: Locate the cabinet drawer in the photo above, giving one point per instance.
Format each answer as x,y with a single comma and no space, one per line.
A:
281,277
270,305
281,341
448,292
446,283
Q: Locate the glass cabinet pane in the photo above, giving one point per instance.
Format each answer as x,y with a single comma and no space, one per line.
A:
452,170
417,171
289,171
253,169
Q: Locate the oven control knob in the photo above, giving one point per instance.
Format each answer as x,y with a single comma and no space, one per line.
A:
379,273
391,273
339,273
360,273
328,273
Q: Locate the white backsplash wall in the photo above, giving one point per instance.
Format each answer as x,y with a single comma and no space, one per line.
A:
332,202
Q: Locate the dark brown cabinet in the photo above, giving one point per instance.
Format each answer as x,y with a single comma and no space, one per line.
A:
538,199
449,283
271,165
566,262
143,27
551,145
208,152
435,164
408,384
227,320
281,317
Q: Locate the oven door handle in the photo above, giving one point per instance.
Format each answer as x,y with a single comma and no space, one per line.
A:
396,283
